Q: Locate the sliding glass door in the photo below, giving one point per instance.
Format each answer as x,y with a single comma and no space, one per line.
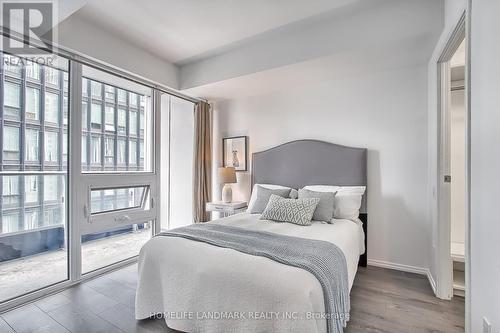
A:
33,175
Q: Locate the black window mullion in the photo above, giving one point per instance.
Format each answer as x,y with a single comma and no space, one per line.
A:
22,115
61,122
89,122
137,151
40,186
115,160
22,121
127,132
42,120
1,201
88,136
1,115
1,135
138,131
103,125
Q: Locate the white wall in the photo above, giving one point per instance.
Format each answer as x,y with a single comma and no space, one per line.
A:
485,163
177,143
458,162
165,162
181,162
77,34
382,111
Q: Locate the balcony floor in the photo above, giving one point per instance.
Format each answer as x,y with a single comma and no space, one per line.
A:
27,274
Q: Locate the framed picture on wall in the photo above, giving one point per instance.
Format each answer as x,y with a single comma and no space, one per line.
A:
234,152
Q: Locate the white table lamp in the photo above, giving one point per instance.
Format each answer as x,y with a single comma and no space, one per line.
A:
227,176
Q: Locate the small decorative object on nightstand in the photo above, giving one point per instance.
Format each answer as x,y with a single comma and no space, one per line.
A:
227,176
226,209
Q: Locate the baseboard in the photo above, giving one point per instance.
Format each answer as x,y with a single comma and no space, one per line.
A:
432,282
398,267
405,268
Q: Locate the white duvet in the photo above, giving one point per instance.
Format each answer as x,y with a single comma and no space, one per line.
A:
203,288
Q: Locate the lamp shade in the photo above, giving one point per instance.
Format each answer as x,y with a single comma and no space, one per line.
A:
227,175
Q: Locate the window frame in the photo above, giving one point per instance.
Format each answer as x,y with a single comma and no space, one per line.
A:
10,149
38,112
12,109
56,144
142,205
111,219
96,118
33,65
112,125
102,179
27,155
73,174
49,92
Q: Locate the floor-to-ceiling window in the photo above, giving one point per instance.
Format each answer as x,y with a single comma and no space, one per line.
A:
118,167
33,175
80,171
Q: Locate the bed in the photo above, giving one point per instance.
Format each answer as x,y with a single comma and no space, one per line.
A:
198,287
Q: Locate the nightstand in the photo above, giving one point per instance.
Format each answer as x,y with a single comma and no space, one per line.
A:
226,209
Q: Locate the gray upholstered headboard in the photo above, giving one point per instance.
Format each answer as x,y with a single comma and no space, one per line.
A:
311,162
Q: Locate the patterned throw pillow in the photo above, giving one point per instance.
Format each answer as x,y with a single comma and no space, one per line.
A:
296,211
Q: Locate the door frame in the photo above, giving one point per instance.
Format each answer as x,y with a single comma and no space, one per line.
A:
444,283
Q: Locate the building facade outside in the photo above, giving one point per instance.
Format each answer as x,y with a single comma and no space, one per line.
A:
34,119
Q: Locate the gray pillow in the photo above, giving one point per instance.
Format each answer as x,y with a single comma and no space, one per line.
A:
262,197
296,211
324,210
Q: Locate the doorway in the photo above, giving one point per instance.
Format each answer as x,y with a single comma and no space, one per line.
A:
453,167
458,163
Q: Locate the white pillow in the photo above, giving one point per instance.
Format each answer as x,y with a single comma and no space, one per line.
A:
346,206
293,193
333,188
347,200
352,190
322,188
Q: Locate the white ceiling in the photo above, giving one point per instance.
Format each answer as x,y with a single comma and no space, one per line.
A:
228,48
180,30
335,47
317,71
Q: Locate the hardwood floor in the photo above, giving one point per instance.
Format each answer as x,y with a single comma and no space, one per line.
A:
382,300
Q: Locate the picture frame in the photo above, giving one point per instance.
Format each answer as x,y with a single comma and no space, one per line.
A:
235,152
